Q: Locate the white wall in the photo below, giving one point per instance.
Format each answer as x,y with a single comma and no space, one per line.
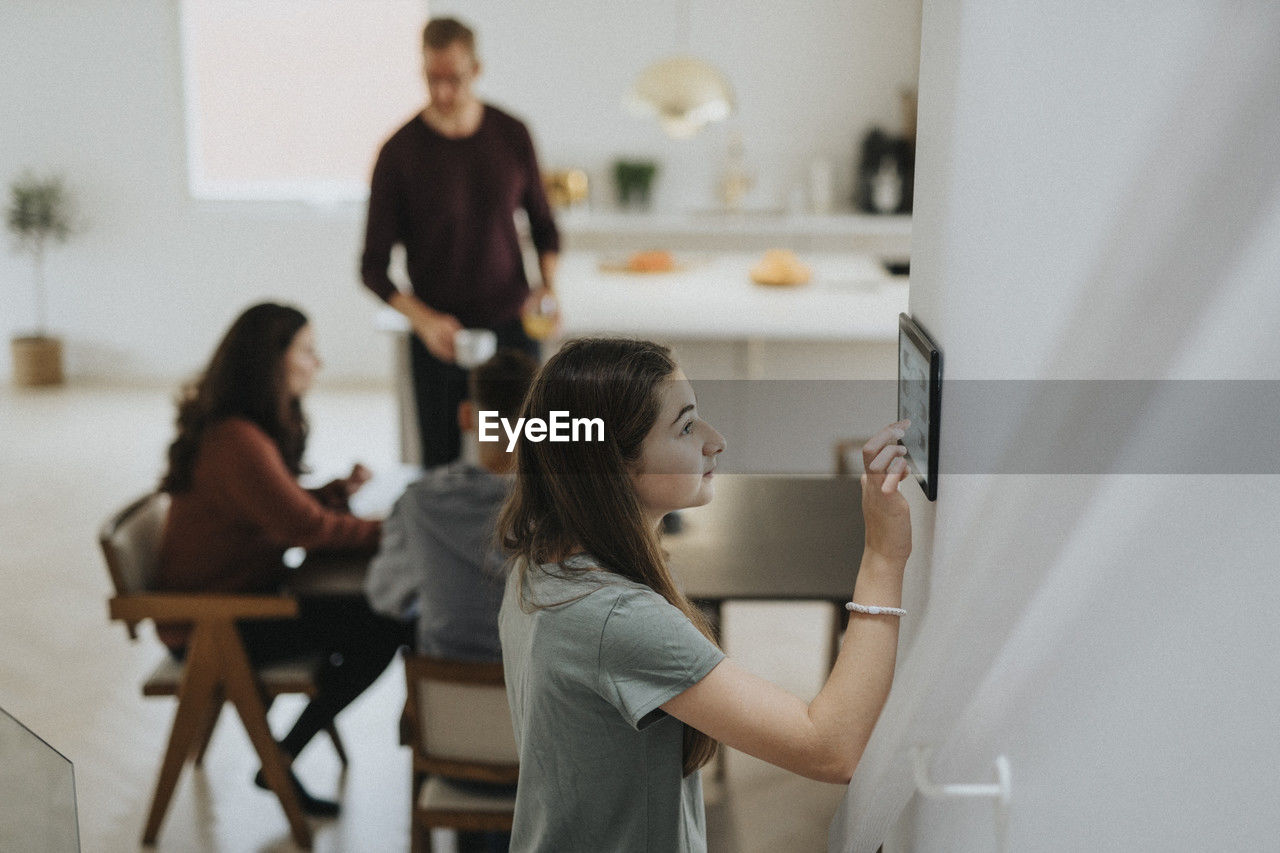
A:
92,89
156,277
1098,197
810,79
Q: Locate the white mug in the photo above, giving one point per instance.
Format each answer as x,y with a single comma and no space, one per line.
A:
473,347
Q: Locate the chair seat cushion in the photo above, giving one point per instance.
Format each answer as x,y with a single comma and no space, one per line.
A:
439,794
289,676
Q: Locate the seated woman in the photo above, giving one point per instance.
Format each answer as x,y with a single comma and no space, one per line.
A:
237,506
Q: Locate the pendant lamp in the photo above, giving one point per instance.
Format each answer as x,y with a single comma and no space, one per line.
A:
684,93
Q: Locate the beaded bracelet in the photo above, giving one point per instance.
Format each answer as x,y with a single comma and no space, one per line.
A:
871,610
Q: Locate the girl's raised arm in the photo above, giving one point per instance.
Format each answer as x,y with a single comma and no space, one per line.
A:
825,738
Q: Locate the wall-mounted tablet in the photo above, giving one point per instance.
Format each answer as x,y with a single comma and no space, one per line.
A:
920,399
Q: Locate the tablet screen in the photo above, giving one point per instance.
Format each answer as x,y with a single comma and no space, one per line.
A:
919,396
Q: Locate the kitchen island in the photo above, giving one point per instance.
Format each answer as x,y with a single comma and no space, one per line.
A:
735,231
823,353
711,297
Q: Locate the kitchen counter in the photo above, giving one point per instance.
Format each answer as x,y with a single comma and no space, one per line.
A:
735,231
842,325
713,221
850,297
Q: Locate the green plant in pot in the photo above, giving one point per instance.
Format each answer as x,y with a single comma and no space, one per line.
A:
634,179
39,214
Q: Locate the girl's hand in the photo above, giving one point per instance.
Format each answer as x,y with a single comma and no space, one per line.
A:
886,515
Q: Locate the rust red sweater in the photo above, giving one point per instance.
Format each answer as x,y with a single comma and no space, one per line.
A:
229,532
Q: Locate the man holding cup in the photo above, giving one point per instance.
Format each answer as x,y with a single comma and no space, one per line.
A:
446,186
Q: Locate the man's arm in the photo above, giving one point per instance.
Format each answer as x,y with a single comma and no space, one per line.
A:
383,230
434,328
542,224
547,263
546,237
542,299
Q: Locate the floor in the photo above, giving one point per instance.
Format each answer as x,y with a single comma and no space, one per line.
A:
69,457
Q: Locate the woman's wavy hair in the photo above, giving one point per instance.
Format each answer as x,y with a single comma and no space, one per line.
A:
580,496
245,378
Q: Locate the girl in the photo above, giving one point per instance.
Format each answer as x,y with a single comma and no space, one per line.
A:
618,692
237,506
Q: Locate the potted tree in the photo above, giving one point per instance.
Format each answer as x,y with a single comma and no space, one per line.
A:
39,214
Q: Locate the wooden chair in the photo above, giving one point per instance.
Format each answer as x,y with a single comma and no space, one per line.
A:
216,669
459,728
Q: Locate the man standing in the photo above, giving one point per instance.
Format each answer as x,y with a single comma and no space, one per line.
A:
446,186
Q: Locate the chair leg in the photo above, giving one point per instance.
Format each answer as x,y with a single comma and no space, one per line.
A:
243,692
338,746
419,835
195,695
419,832
206,732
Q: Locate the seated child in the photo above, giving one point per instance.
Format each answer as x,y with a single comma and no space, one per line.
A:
438,560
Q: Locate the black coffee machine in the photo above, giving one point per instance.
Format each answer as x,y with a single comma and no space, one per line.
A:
885,174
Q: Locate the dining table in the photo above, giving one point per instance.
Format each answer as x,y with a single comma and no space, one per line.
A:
774,538
762,537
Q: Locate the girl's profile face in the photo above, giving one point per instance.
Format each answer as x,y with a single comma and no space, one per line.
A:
301,362
678,453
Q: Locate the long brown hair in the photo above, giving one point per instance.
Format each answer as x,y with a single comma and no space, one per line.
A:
245,378
571,496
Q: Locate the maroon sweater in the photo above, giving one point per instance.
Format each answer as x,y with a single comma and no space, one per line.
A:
451,203
229,531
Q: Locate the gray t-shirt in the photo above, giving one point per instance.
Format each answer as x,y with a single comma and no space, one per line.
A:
600,762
